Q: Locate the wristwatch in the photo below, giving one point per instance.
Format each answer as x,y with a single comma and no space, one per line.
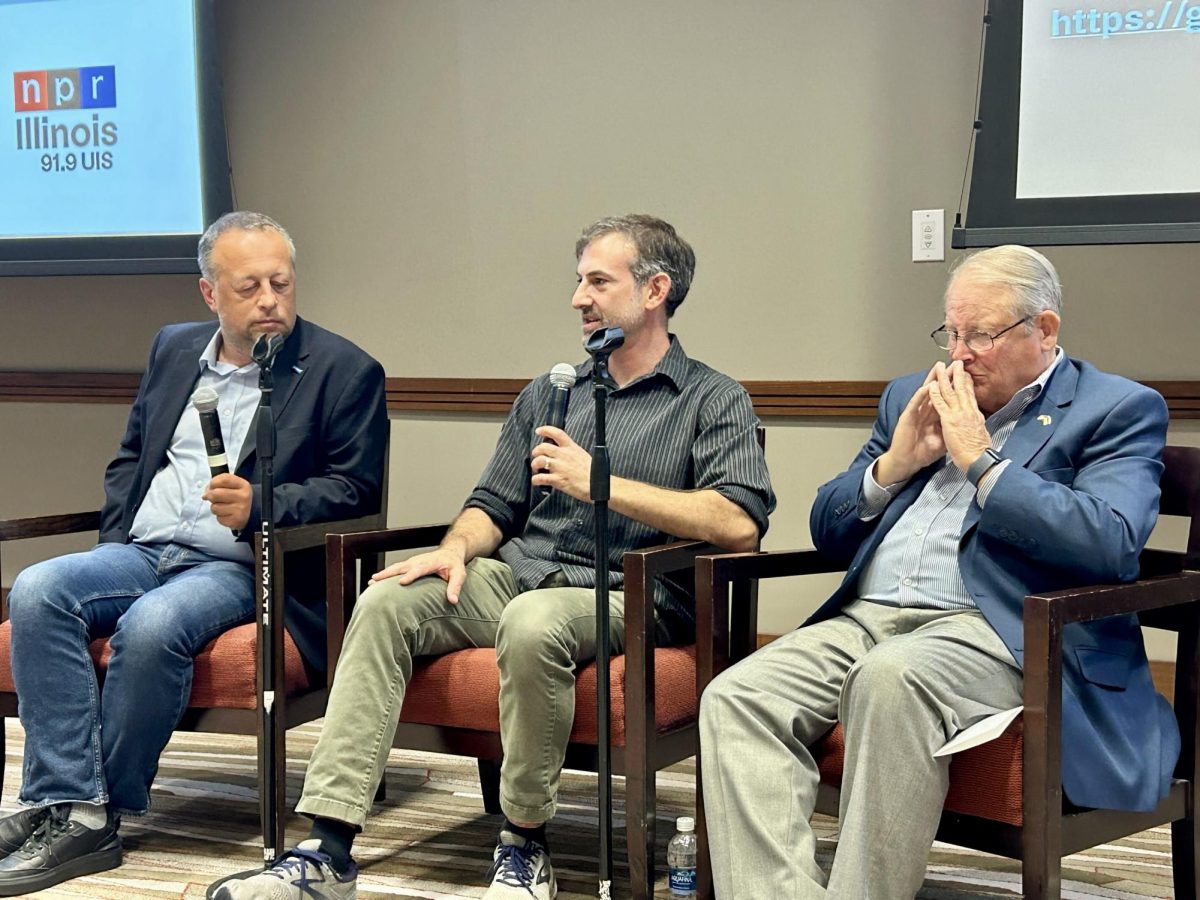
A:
983,465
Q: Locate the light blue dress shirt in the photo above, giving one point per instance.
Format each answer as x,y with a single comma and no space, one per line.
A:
173,511
916,564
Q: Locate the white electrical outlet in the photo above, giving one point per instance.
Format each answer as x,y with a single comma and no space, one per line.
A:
929,235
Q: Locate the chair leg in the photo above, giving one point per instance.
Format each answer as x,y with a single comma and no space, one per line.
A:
1184,857
1041,868
640,821
704,882
489,784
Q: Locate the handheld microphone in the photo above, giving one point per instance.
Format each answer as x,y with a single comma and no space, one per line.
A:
266,345
205,400
562,378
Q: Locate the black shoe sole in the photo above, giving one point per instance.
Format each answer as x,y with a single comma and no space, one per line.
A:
89,864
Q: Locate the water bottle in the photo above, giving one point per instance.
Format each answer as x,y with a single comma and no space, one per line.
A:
681,858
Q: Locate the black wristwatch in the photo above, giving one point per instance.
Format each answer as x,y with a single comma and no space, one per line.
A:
983,465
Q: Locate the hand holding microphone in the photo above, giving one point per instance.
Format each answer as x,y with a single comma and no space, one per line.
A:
231,497
562,379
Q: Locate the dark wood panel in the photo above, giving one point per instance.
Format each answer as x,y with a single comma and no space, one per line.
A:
453,396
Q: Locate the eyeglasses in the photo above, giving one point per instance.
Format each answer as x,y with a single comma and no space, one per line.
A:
977,341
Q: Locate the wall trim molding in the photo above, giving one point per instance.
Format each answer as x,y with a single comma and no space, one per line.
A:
464,396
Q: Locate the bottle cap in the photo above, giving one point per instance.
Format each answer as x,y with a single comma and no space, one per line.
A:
685,824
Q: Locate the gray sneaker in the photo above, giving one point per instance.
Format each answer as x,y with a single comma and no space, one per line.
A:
520,870
302,873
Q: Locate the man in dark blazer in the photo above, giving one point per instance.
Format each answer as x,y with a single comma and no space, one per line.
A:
1013,470
174,566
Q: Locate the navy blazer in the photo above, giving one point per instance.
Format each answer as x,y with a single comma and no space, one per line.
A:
331,433
1074,508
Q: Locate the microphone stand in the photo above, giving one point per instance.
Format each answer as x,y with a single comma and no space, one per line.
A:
264,437
601,344
263,354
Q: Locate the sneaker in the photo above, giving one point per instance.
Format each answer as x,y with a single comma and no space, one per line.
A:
16,829
521,869
57,851
302,873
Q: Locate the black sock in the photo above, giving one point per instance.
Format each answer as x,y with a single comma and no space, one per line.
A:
336,838
537,834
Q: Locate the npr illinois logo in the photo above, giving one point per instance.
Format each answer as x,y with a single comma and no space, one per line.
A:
88,87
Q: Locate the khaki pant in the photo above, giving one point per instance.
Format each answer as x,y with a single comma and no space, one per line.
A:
901,681
540,636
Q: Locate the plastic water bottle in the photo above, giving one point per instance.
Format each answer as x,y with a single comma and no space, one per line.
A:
681,858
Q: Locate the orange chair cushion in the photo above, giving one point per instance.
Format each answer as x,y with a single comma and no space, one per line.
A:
223,674
462,690
985,781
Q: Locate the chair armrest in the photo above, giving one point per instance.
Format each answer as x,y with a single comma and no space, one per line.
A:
47,526
1101,601
303,537
768,564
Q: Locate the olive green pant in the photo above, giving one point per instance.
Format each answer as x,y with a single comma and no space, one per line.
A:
540,636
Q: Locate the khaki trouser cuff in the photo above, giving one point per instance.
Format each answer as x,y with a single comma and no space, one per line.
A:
519,813
332,809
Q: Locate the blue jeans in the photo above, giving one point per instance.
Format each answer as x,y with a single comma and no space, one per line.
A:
160,604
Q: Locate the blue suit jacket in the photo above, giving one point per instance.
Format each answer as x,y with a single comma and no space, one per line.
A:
331,431
1074,508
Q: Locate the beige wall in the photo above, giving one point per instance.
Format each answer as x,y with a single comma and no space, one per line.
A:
436,159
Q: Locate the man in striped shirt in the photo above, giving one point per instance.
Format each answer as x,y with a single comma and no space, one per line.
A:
685,462
1012,470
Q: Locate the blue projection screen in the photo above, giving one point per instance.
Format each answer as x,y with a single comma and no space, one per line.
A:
112,145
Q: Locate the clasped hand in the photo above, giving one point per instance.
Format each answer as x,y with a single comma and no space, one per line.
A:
942,418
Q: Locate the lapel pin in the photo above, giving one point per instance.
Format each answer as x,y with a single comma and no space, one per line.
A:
1045,420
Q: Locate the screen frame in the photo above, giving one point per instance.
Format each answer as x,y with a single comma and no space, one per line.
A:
155,254
994,213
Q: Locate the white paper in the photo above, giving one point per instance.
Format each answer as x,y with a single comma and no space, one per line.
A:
980,733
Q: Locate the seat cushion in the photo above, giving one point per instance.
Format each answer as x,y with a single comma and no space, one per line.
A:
985,780
462,690
223,675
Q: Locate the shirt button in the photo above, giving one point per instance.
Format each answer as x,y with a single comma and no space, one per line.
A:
908,582
225,411
918,531
941,496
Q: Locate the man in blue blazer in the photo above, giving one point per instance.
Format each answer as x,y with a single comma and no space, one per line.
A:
174,566
1011,471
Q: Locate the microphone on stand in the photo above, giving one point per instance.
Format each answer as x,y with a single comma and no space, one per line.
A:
562,379
205,400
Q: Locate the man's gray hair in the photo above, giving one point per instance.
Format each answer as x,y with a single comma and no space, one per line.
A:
657,247
239,220
1029,276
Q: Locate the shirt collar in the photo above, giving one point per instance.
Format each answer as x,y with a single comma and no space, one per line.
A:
210,357
673,367
1034,389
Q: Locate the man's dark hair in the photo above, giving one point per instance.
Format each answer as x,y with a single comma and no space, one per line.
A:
657,249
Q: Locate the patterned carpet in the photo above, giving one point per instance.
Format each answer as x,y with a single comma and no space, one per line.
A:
431,838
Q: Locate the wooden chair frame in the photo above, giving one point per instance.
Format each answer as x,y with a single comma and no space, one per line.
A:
1166,596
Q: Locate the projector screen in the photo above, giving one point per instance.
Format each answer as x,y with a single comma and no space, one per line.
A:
114,157
1089,125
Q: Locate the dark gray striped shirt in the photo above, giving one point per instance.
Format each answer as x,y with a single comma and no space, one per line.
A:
683,426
